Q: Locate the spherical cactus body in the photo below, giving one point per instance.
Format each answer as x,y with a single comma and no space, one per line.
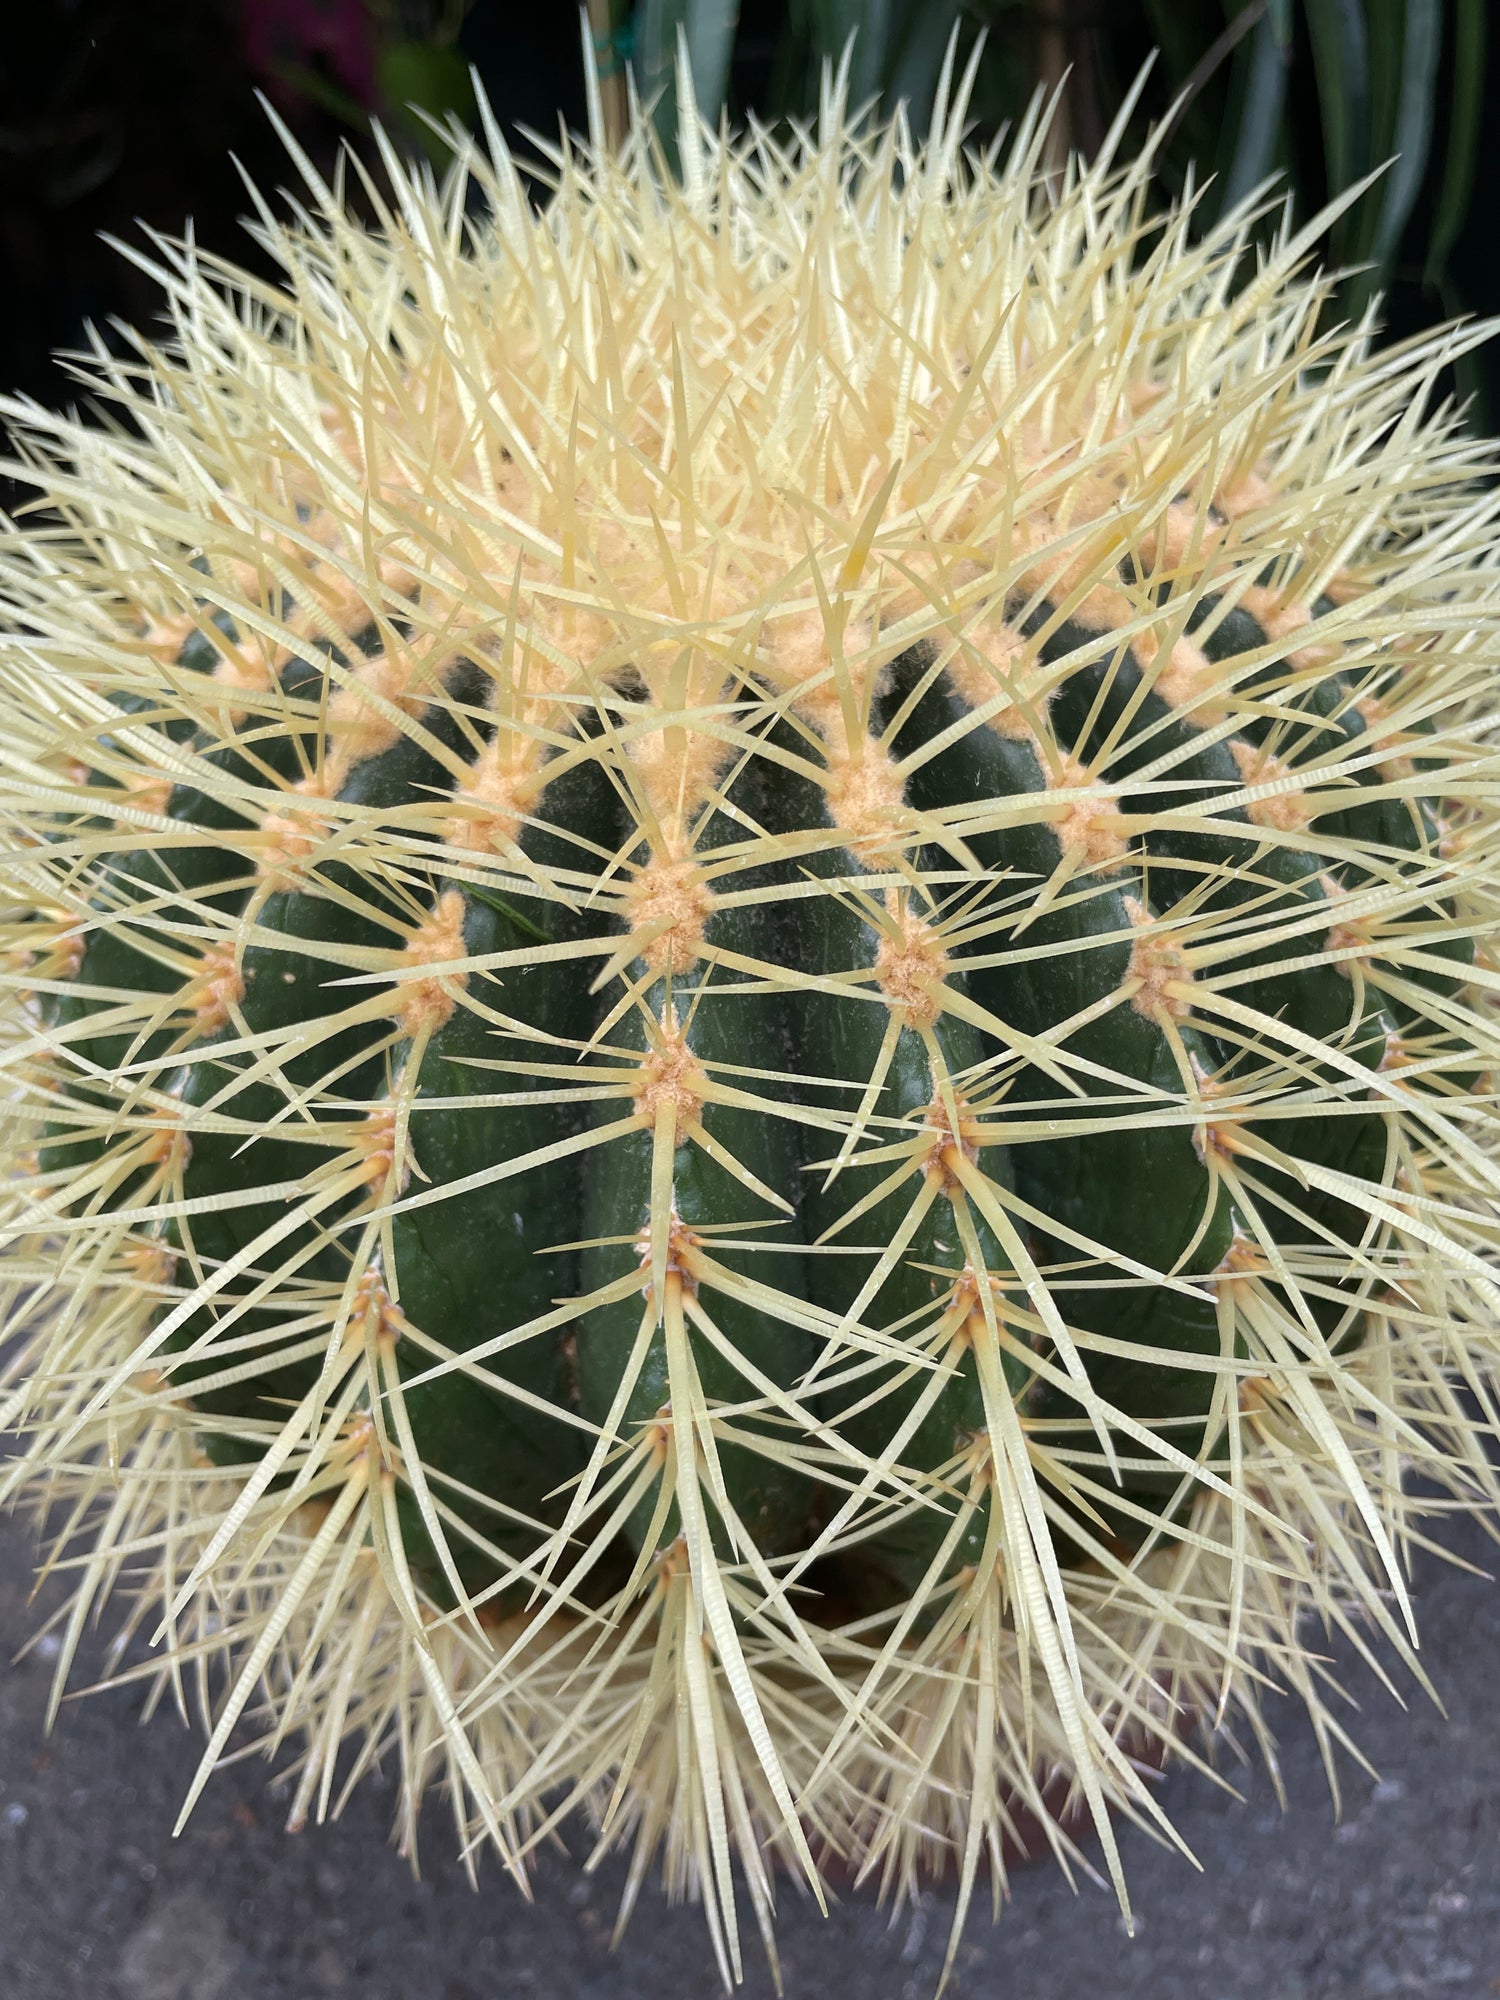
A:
748,1018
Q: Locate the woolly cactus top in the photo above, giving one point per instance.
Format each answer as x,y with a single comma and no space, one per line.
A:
968,716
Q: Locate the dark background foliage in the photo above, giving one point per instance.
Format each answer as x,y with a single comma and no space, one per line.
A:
120,113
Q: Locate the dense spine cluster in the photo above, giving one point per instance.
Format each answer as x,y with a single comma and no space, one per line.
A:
748,1018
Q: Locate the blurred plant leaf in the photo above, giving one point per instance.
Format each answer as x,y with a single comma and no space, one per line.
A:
1466,113
912,77
707,26
427,78
299,80
1341,60
1264,63
1175,32
873,27
1420,44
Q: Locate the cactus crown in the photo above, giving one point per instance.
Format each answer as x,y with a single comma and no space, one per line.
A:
747,1024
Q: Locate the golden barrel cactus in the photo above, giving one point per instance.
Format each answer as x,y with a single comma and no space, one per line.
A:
747,1011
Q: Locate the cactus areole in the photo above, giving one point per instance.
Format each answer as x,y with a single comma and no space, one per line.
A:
747,1020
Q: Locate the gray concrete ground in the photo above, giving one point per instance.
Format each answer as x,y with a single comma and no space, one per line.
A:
98,1902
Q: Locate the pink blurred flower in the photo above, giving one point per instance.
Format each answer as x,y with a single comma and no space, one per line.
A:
282,37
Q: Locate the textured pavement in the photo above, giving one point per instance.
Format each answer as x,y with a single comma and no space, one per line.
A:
1400,1896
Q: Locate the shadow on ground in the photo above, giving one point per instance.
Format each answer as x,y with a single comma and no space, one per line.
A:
1399,1896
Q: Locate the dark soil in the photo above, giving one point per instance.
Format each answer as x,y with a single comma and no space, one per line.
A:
1399,1896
